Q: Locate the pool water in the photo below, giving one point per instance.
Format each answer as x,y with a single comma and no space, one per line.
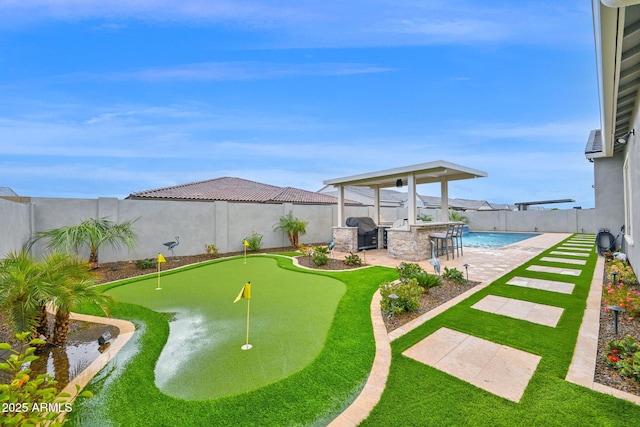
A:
475,239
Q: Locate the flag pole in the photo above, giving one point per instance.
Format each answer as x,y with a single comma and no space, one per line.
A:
245,244
247,346
160,261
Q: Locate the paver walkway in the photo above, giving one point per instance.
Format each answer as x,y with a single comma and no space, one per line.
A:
496,368
524,310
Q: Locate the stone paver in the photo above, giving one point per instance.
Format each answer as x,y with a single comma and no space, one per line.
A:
575,248
545,285
555,270
523,310
496,368
580,254
564,260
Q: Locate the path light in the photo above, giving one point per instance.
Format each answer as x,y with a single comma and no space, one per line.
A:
616,310
466,268
615,276
393,298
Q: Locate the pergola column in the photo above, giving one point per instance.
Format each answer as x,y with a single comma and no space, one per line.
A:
411,201
376,203
444,199
341,218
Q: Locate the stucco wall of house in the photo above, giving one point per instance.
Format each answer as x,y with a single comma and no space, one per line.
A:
609,197
15,226
631,244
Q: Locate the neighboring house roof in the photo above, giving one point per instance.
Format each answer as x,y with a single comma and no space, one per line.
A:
468,204
399,198
7,192
234,190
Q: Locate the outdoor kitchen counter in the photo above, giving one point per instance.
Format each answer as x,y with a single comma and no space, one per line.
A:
413,243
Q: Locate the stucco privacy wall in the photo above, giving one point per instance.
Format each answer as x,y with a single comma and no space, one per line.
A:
15,226
552,221
197,223
227,224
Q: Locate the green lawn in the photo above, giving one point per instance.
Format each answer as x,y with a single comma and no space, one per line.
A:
290,316
126,394
419,395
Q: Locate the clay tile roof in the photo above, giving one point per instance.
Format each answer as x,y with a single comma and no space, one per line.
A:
234,190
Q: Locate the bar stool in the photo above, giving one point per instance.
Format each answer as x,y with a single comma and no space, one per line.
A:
444,241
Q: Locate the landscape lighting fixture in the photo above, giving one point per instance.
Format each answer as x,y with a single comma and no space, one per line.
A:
625,138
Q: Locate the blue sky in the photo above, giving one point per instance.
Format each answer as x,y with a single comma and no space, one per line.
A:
102,99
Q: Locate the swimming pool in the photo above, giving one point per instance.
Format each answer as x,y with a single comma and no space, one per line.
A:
474,239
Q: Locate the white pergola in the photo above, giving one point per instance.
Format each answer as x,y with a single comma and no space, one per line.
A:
423,173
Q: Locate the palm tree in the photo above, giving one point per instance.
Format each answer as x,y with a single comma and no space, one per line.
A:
26,287
293,226
22,291
91,234
72,284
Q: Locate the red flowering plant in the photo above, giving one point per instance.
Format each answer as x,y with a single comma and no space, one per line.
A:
624,356
623,296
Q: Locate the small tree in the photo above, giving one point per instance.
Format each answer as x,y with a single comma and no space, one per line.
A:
293,227
28,400
90,234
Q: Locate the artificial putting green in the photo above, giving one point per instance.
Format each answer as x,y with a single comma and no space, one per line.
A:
289,319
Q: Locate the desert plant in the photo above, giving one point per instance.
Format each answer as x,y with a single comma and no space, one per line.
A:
320,255
624,296
146,263
90,234
427,281
454,275
623,271
457,216
406,270
28,400
624,356
408,296
352,260
254,241
212,250
425,218
293,227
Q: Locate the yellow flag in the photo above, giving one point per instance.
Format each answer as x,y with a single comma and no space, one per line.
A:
245,243
245,292
161,259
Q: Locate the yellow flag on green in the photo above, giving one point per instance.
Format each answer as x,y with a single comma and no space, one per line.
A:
245,292
161,259
246,243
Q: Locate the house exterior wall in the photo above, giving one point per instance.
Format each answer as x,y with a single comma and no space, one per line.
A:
607,173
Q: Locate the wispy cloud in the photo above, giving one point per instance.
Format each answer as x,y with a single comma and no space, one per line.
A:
327,23
220,71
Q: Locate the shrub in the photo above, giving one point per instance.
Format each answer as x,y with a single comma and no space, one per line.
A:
624,356
408,296
143,264
255,242
457,216
27,400
454,275
427,281
212,250
425,218
624,271
406,270
352,259
320,255
623,296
